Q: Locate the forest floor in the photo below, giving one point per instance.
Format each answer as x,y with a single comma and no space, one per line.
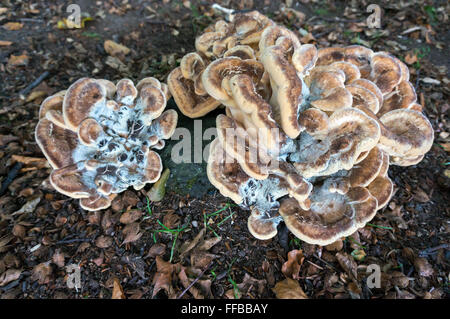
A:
141,249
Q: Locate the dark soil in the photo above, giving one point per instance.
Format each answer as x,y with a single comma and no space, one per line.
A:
42,231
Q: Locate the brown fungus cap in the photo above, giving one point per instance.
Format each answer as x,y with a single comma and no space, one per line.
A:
350,133
99,147
218,73
331,215
183,91
363,173
409,134
261,227
226,175
279,49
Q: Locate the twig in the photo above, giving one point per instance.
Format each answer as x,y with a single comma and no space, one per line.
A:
11,176
430,251
71,241
31,20
195,280
32,85
315,265
324,262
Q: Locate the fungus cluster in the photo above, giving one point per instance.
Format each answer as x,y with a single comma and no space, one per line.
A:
100,137
239,38
308,134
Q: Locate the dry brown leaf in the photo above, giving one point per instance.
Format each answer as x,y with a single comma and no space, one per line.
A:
13,26
336,246
42,273
18,60
201,258
248,283
32,161
423,267
19,231
130,216
189,245
411,58
171,220
289,289
163,278
131,233
29,206
115,49
58,258
348,264
185,281
291,268
446,147
421,196
156,250
9,276
117,292
5,43
103,241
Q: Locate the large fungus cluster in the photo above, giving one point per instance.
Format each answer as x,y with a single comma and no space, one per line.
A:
99,137
308,133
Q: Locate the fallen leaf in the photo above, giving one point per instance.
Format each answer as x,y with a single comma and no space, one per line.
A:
18,60
411,58
336,246
9,276
185,281
115,49
130,216
291,268
103,241
421,196
348,264
5,43
38,162
29,207
58,258
289,289
19,231
163,278
69,24
423,267
13,26
131,233
156,250
171,220
359,254
42,273
117,290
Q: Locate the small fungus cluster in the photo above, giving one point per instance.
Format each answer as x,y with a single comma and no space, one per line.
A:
99,137
308,134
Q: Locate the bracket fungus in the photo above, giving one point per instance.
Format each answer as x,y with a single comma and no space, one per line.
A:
237,38
308,134
99,137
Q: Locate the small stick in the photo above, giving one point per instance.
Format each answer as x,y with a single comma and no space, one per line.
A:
32,85
228,13
195,280
71,241
429,251
11,176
